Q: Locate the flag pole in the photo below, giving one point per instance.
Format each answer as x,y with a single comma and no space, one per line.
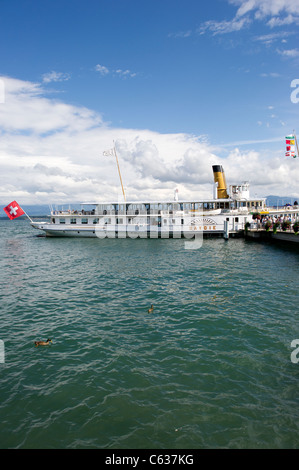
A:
27,216
296,144
119,172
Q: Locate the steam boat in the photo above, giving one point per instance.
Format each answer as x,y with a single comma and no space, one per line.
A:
224,215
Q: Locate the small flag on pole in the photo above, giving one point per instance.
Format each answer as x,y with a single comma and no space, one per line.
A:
290,146
13,210
109,153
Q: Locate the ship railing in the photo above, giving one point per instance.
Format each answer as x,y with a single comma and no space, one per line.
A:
72,212
258,226
284,208
64,212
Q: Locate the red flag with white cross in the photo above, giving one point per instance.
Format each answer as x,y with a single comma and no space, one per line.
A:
13,210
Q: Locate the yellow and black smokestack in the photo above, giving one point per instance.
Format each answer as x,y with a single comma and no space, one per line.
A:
219,177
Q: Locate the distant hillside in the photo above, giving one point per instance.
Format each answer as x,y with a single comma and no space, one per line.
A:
280,201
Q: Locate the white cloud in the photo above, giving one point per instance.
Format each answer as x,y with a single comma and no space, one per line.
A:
271,74
125,73
55,77
27,110
289,52
278,13
119,72
102,69
268,39
223,27
265,8
287,20
181,34
52,152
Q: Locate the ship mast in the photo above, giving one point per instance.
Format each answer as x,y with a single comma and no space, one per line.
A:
111,153
119,173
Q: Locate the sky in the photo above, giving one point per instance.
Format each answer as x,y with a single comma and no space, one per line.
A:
177,86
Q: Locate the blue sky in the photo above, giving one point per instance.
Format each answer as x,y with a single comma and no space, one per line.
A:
212,77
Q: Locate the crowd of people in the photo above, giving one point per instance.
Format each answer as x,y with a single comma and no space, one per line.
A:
284,222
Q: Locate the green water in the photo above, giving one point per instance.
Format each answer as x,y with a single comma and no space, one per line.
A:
209,368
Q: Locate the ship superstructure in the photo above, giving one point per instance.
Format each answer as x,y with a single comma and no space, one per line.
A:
226,213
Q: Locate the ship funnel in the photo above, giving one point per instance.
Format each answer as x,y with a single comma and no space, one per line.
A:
219,179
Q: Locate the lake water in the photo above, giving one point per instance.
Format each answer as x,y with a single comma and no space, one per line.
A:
209,368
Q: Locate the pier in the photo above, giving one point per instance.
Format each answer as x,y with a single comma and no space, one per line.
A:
270,235
275,225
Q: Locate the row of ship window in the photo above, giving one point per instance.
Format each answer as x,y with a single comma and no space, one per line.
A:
73,220
156,220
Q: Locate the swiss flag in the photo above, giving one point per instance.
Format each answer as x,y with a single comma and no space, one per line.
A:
13,210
